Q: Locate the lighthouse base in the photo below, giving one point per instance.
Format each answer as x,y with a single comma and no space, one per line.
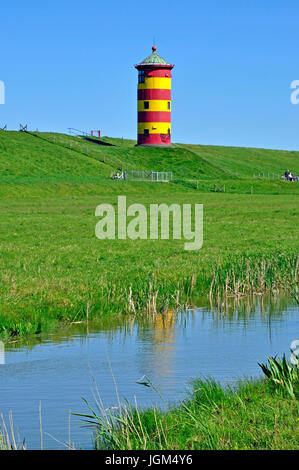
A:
160,140
154,145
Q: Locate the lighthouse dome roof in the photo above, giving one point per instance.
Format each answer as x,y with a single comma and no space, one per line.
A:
154,58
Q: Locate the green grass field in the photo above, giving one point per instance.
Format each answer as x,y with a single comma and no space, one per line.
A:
54,269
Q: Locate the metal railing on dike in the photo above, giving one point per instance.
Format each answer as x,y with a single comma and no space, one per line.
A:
274,176
144,175
77,132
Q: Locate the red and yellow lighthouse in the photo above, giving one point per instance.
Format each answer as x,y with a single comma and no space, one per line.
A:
154,101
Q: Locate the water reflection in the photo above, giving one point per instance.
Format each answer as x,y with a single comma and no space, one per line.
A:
158,341
160,328
225,341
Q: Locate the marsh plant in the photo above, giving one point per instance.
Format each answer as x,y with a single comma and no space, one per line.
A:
9,438
282,374
244,416
247,416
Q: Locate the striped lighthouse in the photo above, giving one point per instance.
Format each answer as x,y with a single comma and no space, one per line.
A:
154,101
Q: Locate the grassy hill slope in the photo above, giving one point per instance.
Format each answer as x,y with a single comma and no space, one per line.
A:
69,165
41,156
53,269
247,162
26,157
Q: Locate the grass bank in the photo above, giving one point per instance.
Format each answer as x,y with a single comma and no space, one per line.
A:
252,415
55,271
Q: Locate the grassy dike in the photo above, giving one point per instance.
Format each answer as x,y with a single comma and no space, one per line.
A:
250,416
55,271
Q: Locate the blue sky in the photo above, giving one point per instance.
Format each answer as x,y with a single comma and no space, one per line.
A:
70,64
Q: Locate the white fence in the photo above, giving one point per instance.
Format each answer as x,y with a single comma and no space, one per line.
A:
143,175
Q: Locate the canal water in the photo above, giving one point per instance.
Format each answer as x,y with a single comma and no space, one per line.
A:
54,372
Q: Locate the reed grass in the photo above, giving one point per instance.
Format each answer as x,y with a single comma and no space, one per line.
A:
248,416
253,414
240,276
9,440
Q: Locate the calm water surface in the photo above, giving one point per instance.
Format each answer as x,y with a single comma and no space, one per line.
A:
57,370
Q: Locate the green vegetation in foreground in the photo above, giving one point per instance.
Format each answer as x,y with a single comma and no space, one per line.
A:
54,270
256,414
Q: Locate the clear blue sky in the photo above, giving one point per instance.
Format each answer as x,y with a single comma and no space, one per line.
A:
70,64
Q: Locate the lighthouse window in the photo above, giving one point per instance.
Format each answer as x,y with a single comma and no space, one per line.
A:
146,132
141,76
168,105
168,132
146,105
